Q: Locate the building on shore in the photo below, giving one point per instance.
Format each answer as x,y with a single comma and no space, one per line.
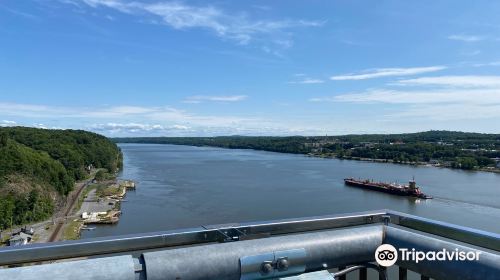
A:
20,238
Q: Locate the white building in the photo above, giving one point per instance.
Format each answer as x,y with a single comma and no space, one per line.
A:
20,239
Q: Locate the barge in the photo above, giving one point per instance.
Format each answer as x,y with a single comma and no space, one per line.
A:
392,188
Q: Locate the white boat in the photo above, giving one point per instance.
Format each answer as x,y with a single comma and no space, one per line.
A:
88,228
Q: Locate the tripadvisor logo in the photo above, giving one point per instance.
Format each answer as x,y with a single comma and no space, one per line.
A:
387,255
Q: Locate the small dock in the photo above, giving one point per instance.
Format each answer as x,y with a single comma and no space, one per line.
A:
110,217
128,184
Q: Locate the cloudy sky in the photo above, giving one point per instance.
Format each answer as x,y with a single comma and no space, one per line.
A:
173,68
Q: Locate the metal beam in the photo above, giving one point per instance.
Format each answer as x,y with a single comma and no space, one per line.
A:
112,268
331,248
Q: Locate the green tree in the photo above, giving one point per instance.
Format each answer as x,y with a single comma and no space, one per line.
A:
467,163
3,139
100,175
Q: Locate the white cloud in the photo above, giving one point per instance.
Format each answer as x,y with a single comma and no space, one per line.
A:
138,119
311,81
136,127
450,112
181,127
470,96
227,98
158,121
454,81
471,53
40,125
493,63
308,81
441,98
32,110
5,123
323,99
387,72
465,38
20,13
28,110
229,25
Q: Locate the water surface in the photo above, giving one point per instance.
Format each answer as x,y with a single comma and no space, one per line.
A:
183,186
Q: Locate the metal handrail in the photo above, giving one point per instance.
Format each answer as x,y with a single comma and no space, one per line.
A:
212,233
382,273
181,237
192,246
468,235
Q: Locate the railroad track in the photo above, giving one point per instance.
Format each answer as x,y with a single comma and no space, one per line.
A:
55,234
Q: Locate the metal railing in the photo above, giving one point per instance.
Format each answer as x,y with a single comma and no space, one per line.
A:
272,249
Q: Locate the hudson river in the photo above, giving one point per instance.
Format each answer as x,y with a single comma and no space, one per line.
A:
183,186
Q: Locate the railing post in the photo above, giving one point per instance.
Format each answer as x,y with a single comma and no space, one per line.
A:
382,274
342,277
403,273
363,274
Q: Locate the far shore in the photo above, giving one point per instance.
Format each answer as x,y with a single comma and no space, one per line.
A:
426,164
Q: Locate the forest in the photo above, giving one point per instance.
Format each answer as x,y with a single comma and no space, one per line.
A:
447,148
38,168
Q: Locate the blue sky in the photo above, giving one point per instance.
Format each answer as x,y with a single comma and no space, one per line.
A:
173,68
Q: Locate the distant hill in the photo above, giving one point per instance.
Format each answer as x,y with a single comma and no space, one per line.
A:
38,167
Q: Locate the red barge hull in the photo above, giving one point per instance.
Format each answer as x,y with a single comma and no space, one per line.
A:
400,190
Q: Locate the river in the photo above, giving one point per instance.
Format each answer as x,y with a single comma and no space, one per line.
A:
183,186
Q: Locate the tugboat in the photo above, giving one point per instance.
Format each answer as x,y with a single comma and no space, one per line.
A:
392,188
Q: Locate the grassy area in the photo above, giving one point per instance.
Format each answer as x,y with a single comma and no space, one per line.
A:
72,230
103,175
5,238
103,190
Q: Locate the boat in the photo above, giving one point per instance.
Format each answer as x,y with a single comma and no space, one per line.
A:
88,228
392,188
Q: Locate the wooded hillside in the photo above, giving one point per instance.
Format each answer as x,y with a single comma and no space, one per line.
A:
39,166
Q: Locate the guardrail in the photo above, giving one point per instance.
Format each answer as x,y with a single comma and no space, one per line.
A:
262,250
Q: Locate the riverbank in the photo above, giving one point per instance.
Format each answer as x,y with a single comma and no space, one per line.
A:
100,204
427,164
88,196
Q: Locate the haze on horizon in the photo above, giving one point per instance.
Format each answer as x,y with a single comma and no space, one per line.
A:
194,68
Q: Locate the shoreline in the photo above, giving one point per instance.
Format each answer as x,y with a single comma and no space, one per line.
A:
100,204
422,164
66,223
